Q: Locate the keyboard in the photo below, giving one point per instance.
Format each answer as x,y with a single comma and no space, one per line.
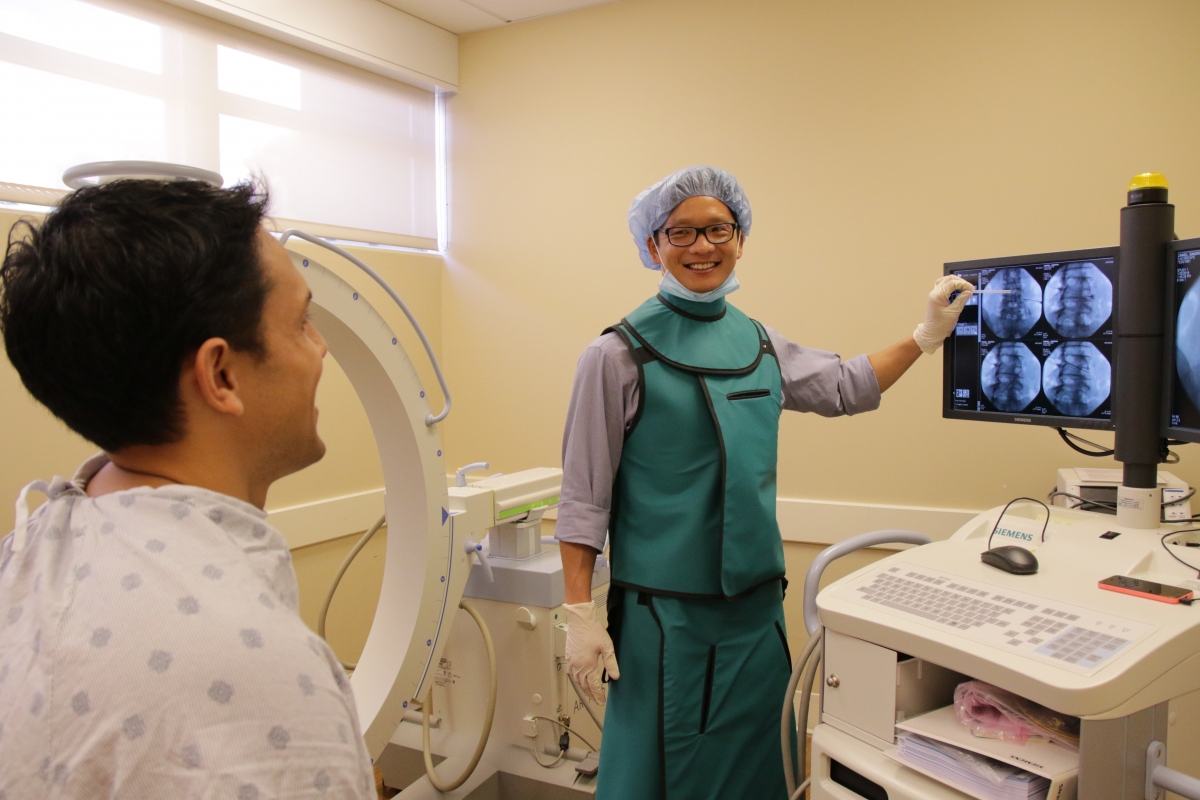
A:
1069,636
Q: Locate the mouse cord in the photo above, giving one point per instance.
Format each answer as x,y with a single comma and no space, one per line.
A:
1005,511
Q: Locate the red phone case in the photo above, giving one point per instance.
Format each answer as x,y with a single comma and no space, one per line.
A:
1136,593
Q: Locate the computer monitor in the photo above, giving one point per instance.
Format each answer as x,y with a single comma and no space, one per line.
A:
1035,346
1182,392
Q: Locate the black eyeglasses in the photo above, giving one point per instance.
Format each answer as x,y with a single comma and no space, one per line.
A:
683,236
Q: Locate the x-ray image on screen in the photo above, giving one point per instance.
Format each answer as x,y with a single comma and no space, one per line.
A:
1011,376
1185,383
1187,344
1040,350
1078,300
1077,378
1012,314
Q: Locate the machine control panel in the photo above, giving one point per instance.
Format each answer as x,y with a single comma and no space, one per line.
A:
1071,637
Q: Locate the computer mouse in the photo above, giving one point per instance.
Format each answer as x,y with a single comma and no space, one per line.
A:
1010,558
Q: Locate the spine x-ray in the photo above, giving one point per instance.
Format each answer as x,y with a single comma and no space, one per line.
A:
1078,300
1013,314
1011,376
1039,340
1077,378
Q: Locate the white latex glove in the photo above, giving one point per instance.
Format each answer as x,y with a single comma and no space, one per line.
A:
940,314
589,650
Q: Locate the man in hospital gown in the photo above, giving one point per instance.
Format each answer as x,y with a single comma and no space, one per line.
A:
670,446
150,645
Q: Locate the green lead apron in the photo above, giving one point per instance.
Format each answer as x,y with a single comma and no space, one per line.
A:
695,715
696,608
694,498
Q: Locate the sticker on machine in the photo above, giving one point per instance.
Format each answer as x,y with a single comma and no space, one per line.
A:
1078,639
445,675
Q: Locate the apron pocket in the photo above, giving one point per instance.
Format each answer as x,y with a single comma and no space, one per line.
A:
748,394
787,651
708,687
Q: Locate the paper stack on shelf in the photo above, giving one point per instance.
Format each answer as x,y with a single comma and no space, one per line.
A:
978,775
938,745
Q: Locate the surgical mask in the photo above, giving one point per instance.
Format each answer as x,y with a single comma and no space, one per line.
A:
671,286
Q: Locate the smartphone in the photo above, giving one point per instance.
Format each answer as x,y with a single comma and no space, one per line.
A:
1150,589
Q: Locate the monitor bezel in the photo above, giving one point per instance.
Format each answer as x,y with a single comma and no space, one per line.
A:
1046,420
1169,431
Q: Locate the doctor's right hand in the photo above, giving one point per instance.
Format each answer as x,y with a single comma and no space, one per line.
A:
589,650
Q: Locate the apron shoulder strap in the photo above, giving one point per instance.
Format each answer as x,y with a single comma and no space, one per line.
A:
768,347
641,357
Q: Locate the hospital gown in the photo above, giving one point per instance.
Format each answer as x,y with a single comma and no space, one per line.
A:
151,647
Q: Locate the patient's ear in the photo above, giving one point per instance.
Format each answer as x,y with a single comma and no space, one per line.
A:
214,377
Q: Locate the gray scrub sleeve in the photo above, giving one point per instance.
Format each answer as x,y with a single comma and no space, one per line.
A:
820,382
604,401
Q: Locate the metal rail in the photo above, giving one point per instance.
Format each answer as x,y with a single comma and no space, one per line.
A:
430,419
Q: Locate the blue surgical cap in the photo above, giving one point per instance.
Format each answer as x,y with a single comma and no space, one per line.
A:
651,208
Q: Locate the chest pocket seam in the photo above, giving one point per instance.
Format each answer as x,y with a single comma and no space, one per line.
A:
749,394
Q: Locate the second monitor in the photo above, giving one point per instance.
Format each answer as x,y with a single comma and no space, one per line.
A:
1183,350
1035,345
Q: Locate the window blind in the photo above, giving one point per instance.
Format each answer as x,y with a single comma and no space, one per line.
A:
346,153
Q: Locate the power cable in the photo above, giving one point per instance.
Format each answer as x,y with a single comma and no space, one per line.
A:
493,685
1100,452
1088,505
563,745
805,667
800,789
354,551
567,728
586,706
1084,503
1163,540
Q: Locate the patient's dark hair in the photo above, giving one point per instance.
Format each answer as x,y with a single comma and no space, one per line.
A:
102,304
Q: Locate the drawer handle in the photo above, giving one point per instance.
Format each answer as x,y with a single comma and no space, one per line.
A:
833,682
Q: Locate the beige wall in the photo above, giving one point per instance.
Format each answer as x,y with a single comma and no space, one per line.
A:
876,140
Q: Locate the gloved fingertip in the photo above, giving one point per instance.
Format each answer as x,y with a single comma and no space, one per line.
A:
610,664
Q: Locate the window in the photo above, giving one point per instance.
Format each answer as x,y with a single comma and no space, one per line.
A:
346,153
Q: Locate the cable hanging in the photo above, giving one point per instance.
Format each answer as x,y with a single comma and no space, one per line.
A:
1099,452
1163,541
337,578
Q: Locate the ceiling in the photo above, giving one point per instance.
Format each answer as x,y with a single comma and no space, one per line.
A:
464,16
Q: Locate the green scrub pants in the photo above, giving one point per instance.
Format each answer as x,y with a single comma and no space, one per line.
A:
695,713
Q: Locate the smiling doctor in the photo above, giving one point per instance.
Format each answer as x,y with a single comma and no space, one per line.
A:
670,446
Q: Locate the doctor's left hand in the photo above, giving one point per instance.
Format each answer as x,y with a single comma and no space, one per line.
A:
941,315
589,650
